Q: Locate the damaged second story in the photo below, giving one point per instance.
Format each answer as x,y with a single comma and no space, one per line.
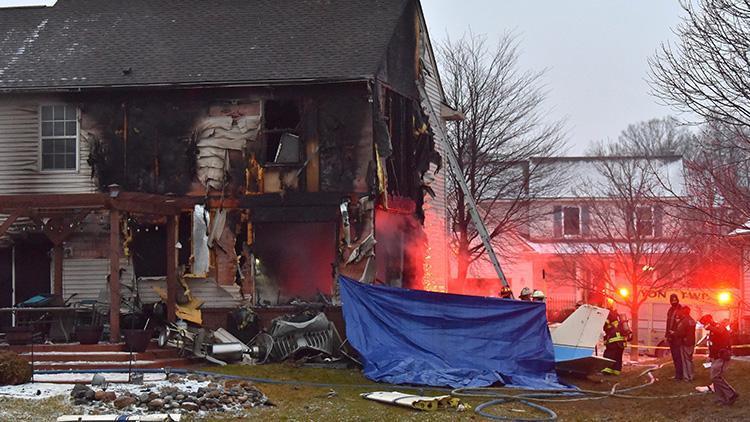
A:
297,138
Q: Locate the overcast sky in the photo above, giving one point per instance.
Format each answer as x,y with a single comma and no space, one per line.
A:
595,52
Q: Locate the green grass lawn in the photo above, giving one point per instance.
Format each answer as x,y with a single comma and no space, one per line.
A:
308,403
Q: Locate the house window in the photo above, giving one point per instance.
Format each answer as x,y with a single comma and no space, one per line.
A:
571,221
644,221
59,137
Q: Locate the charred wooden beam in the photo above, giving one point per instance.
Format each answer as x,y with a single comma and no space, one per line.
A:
295,214
144,203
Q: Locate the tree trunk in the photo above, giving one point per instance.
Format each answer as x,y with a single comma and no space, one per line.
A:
463,264
634,328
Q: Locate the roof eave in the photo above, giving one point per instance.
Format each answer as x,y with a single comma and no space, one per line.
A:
192,84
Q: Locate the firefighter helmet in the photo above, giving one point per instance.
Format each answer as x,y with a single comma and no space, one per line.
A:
538,296
525,293
506,292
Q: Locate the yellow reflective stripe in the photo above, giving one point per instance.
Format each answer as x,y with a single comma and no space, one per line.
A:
616,338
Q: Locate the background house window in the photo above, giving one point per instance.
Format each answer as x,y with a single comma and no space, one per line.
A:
644,221
571,221
59,137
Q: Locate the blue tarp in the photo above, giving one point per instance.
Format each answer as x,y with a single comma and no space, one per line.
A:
438,339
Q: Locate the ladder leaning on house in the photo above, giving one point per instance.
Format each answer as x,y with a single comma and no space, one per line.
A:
458,174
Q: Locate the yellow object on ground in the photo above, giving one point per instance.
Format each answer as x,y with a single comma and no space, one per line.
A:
189,311
426,403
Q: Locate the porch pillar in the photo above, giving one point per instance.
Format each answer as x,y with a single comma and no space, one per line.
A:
114,275
58,252
171,268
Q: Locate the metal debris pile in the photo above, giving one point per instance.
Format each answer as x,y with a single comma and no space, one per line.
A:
192,393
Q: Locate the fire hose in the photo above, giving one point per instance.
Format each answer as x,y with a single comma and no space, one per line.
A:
528,397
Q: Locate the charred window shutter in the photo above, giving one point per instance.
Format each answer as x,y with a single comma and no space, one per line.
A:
658,218
557,221
585,221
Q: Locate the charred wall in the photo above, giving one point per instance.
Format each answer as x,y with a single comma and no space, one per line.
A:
241,142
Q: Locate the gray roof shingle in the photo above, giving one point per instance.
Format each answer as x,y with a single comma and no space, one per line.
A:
89,43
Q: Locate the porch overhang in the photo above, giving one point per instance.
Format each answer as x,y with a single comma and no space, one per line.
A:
67,209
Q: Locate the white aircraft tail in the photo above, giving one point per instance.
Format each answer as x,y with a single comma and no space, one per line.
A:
581,329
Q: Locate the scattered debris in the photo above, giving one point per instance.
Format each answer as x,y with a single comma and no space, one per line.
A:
426,403
294,339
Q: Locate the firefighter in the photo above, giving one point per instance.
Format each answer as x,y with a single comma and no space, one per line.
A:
538,296
525,294
675,347
686,332
720,353
614,342
506,293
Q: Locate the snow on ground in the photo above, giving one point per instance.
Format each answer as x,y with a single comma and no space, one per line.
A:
35,390
76,353
95,363
42,390
77,377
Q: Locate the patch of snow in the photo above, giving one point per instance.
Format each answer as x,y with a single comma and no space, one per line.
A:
26,44
77,377
75,353
94,364
35,390
42,390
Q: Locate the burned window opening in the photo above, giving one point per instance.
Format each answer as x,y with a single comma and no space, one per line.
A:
282,120
401,166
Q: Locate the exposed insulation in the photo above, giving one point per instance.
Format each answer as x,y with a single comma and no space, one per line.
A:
215,137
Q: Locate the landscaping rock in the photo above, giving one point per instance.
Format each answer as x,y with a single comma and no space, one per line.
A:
220,397
79,391
14,370
155,404
124,401
190,406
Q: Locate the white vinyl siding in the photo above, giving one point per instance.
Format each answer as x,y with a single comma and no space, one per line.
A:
20,161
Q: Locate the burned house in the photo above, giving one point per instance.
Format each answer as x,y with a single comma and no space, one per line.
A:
246,150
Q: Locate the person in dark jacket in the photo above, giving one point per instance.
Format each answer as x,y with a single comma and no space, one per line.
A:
614,342
686,333
720,353
675,348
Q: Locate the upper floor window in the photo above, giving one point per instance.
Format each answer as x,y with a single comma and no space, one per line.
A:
59,137
644,221
571,221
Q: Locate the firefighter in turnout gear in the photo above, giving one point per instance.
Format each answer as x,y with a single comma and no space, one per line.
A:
615,336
